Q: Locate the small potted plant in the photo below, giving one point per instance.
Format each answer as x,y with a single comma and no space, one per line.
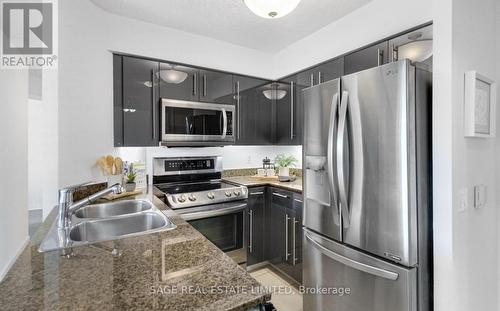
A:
284,162
130,184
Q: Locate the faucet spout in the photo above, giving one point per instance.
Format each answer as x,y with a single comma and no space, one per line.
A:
67,207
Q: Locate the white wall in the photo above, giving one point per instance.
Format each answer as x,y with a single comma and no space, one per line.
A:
442,158
233,156
13,165
87,35
466,243
43,146
372,22
497,35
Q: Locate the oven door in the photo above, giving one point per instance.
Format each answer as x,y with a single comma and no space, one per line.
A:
223,224
186,123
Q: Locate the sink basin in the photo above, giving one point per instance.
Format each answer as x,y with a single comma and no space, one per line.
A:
107,210
109,229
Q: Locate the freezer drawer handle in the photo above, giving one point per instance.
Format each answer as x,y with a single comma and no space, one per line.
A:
352,263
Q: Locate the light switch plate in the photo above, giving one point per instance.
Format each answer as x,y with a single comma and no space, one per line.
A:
462,200
479,196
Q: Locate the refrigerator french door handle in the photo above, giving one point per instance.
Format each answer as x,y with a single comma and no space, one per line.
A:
329,154
341,159
393,276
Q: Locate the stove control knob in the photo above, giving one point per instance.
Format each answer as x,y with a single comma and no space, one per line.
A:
211,195
181,198
236,193
228,194
192,198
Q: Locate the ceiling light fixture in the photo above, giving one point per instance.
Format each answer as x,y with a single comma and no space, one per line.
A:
173,76
271,8
416,51
274,93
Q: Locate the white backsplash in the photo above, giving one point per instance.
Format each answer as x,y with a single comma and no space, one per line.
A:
234,156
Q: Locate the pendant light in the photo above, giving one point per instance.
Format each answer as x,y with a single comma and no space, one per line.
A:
274,93
173,76
271,8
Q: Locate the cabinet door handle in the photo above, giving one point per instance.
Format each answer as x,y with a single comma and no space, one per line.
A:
204,85
256,193
238,107
292,135
299,201
319,77
294,255
286,237
195,84
153,102
380,56
312,79
280,195
395,54
250,246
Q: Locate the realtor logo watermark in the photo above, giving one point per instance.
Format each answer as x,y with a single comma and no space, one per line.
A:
29,34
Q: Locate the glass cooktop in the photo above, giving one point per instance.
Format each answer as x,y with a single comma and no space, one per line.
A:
193,187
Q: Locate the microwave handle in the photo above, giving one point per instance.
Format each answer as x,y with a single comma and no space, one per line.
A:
224,123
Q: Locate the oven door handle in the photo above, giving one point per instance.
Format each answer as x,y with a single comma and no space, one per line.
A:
224,124
214,213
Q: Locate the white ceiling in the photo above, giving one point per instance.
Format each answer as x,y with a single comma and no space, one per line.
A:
231,21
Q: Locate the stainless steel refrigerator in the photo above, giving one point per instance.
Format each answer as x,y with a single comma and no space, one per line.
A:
367,191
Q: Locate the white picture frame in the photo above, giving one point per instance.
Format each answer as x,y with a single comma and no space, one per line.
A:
480,105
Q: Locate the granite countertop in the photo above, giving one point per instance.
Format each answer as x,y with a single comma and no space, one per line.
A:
251,181
170,270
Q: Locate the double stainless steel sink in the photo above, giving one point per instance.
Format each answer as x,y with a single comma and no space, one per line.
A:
105,222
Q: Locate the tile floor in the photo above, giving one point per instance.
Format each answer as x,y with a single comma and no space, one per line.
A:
288,300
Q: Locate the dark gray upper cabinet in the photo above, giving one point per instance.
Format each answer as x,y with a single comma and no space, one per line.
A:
199,85
117,100
140,102
290,109
215,87
330,70
170,87
256,207
289,113
254,112
366,58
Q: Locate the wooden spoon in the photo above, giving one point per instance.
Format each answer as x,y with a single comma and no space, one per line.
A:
101,162
118,166
110,161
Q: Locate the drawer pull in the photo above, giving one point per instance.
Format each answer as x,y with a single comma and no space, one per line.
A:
280,195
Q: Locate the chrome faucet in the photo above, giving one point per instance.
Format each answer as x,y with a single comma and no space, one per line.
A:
67,207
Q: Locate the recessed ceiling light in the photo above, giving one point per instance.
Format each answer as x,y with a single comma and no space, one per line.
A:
271,8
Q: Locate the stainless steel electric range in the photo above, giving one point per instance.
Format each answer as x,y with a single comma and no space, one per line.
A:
193,187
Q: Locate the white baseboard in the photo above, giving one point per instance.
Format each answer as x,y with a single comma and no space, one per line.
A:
3,273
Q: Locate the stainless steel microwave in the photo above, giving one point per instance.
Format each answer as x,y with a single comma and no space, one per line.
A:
187,123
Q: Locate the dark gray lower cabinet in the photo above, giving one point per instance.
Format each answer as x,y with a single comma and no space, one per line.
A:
283,244
256,208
